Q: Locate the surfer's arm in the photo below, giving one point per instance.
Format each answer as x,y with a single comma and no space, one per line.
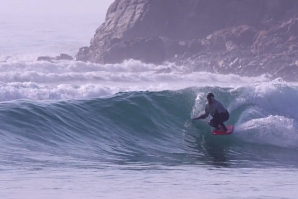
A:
203,116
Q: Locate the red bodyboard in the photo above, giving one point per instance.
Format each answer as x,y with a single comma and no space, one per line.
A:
229,131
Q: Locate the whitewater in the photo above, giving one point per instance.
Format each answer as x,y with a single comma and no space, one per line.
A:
83,130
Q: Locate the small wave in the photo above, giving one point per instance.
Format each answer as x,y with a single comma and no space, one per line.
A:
76,80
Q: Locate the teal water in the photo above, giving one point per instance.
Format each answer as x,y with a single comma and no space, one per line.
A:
144,144
148,127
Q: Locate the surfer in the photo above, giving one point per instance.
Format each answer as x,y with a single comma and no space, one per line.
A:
218,112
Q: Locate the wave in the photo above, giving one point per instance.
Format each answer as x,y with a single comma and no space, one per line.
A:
155,126
64,80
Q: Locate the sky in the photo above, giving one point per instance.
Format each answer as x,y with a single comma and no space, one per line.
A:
54,7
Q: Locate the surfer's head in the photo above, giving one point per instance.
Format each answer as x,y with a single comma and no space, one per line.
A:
210,96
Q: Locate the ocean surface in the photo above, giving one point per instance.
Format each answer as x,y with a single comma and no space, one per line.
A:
83,130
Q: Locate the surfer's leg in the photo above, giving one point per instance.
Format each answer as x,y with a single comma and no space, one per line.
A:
222,118
223,126
214,122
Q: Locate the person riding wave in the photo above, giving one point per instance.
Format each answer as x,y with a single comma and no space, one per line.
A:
218,112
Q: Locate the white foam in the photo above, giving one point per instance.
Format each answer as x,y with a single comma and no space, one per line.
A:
274,97
33,91
111,78
268,113
128,68
272,130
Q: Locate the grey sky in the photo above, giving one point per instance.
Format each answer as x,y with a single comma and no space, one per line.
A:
54,7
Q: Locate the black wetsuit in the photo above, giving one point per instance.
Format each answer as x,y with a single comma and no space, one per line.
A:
218,112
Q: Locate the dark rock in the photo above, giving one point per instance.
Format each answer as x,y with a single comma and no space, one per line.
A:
247,37
63,57
231,38
185,49
164,70
82,55
44,58
147,50
57,58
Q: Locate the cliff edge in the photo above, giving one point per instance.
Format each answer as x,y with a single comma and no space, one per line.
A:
246,37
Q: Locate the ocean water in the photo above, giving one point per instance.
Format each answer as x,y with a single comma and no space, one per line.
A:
83,130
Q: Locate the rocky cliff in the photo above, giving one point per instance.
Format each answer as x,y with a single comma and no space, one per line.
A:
247,37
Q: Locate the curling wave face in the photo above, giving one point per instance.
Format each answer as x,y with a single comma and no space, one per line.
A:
145,127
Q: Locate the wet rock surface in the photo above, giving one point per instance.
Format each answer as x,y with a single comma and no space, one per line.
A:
56,58
246,37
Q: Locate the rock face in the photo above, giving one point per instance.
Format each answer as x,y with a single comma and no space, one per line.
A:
247,37
148,50
62,56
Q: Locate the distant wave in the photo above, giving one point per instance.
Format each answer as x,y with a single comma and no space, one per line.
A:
77,80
